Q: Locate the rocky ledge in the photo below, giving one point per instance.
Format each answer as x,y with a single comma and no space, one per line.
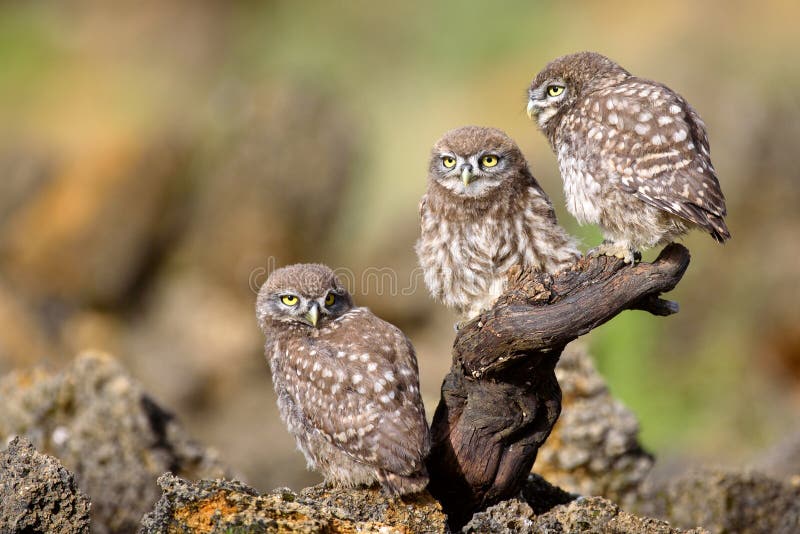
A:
89,450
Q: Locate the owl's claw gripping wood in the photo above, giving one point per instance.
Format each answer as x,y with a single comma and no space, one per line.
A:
616,250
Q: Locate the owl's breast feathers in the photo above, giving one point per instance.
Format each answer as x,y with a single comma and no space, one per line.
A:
643,139
465,259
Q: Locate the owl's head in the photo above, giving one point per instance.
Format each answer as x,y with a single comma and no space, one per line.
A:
473,161
305,294
565,80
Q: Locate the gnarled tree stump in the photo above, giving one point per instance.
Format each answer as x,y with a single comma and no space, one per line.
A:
501,398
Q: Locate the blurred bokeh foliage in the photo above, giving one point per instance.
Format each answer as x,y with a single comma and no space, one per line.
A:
158,158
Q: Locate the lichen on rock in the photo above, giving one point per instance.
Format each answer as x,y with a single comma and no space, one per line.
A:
223,505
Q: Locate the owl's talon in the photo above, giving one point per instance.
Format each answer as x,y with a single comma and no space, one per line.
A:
616,250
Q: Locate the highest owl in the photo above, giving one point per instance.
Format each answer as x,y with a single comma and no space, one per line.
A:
347,382
633,154
483,213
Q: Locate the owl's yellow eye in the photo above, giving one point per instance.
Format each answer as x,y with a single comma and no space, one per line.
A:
289,300
330,299
555,90
449,162
489,160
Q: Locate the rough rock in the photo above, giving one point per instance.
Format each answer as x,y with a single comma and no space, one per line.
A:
594,447
37,494
544,508
744,503
105,429
513,515
598,515
221,505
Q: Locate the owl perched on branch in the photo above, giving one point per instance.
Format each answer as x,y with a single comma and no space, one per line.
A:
347,382
633,154
483,213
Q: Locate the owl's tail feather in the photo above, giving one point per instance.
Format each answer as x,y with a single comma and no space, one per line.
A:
395,484
717,228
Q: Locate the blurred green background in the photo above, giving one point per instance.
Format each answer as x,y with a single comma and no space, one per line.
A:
156,158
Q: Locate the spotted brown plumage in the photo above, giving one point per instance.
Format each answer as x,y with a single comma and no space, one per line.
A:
633,154
347,382
478,220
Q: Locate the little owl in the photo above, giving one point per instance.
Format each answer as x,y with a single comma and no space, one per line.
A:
633,154
347,382
483,213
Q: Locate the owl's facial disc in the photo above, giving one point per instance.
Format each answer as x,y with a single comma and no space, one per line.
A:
471,176
545,100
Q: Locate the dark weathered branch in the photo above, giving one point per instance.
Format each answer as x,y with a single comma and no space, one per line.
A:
501,399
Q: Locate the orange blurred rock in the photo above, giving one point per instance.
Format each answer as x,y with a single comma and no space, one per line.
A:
89,233
23,341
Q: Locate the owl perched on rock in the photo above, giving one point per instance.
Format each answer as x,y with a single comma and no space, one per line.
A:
347,382
483,213
633,154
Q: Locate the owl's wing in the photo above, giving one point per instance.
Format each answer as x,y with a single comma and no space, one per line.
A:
666,160
365,400
423,205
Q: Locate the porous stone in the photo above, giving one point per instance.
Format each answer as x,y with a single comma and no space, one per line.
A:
596,515
103,427
37,494
744,503
223,505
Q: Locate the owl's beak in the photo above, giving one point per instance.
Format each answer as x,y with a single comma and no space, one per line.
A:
531,107
312,315
466,175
